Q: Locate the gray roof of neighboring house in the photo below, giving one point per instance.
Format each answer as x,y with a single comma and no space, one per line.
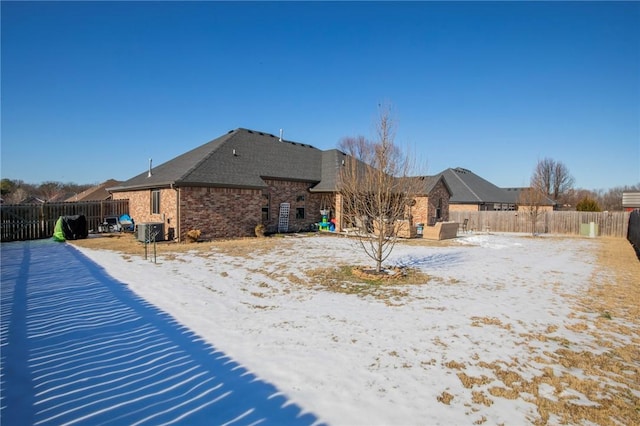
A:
95,193
241,158
514,194
468,188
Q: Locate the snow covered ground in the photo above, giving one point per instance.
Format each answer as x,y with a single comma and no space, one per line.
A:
458,349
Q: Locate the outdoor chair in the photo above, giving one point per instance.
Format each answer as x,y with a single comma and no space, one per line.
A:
464,225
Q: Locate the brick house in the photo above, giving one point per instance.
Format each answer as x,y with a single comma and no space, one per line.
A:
470,192
229,185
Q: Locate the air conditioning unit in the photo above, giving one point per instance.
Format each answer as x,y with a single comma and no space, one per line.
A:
151,231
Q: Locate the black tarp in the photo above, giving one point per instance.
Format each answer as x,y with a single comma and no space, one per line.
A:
72,227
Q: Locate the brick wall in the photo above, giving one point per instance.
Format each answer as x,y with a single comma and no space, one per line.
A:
226,212
463,207
424,211
419,211
298,196
439,193
220,212
140,208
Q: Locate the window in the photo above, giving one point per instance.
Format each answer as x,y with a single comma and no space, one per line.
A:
265,207
300,209
155,201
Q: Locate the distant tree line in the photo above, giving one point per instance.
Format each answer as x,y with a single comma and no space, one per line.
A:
605,200
552,179
17,191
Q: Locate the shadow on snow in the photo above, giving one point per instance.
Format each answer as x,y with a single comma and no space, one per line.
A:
79,347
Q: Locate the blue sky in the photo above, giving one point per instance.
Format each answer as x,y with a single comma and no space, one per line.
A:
92,90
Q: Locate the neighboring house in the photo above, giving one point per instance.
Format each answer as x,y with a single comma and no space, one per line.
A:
522,201
95,193
229,185
33,200
433,203
470,192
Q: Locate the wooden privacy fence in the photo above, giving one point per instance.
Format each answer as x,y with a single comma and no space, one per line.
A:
35,221
610,224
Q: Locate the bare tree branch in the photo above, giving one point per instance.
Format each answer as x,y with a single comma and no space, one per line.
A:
552,178
377,189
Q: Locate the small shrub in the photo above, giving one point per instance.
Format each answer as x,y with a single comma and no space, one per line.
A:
588,204
193,235
259,230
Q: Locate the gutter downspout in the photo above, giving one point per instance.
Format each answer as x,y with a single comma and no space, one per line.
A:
177,236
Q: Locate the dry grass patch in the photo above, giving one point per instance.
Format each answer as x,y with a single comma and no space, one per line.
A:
470,381
478,397
455,365
345,279
127,244
253,247
600,388
445,398
480,321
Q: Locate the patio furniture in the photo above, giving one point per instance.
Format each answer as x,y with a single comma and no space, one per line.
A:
441,231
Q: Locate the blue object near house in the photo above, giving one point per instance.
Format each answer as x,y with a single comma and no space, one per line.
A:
79,347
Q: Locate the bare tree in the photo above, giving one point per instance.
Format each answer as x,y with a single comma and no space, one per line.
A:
530,202
51,189
543,175
553,178
562,180
377,189
611,200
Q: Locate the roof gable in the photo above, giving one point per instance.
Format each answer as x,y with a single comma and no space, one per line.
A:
241,158
95,193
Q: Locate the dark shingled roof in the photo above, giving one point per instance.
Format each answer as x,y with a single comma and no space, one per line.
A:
514,194
95,193
241,158
469,188
430,183
331,163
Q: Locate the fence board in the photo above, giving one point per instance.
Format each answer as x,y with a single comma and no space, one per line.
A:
611,224
19,222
